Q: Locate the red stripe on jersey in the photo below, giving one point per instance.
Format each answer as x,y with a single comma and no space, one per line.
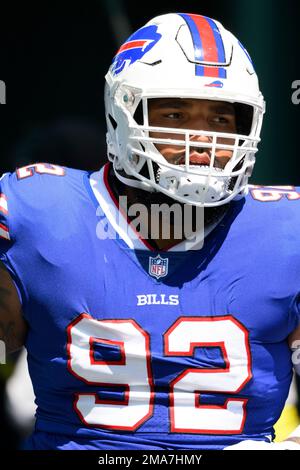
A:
3,204
4,233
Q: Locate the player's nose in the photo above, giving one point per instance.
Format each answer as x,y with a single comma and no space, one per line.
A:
201,138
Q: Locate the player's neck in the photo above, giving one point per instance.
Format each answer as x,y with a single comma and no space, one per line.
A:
157,222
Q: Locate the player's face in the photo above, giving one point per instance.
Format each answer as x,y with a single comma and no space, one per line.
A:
195,114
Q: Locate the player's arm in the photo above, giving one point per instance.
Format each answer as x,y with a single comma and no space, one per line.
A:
294,343
292,442
294,338
13,327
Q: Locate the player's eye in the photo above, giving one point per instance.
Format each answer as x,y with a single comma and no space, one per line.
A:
173,115
221,119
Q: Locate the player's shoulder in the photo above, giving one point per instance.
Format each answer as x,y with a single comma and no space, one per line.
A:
35,189
265,206
39,181
274,197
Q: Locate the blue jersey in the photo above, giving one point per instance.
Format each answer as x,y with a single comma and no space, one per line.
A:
130,348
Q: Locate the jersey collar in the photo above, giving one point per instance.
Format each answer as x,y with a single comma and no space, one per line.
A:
120,223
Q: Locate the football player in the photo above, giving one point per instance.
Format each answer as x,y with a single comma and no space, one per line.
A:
137,339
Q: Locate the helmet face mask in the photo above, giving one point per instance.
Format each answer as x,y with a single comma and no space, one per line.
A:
156,62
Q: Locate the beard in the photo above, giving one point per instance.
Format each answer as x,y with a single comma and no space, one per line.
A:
139,196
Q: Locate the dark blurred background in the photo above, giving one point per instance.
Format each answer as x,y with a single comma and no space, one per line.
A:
53,57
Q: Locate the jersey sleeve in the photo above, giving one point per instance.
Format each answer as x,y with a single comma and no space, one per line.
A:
5,236
28,199
295,269
6,231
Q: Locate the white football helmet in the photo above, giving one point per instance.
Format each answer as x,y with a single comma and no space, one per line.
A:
182,56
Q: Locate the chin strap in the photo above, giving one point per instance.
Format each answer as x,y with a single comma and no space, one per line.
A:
133,182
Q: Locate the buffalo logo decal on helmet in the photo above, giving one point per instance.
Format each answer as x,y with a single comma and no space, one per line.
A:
215,84
135,48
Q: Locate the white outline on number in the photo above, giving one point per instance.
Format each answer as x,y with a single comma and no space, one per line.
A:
231,337
137,407
180,339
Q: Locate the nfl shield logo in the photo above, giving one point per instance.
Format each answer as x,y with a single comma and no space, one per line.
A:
158,266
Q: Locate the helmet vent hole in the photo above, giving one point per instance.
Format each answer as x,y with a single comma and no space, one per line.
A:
138,115
113,122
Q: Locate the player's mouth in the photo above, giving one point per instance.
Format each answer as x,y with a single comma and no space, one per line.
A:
195,158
